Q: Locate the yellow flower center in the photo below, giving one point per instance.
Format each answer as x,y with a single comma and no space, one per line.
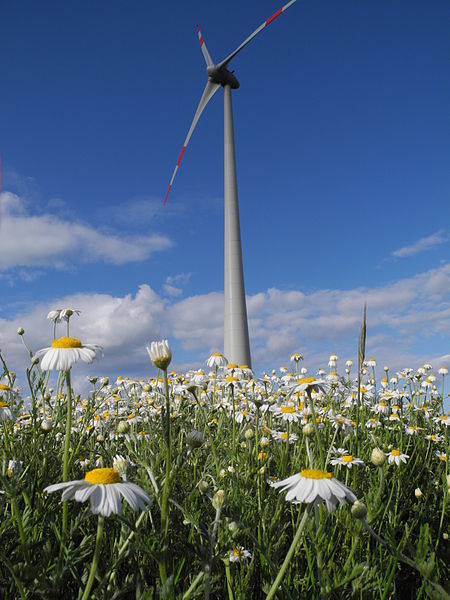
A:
288,409
3,404
395,452
103,476
3,386
237,552
231,379
305,380
66,342
284,436
315,474
347,458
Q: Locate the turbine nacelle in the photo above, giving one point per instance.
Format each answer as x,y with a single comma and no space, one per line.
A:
222,76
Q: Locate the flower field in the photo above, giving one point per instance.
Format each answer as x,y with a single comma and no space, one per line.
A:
219,483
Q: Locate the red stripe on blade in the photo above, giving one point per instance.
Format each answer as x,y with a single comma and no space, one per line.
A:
274,16
165,199
181,156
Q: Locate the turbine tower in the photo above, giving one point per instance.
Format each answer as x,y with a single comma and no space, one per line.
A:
236,338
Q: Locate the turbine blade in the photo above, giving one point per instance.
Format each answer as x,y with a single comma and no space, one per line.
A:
206,54
225,62
208,93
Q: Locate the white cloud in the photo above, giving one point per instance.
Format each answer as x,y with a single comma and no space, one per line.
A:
435,239
47,240
173,283
404,328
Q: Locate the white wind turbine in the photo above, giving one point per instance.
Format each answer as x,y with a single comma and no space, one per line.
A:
236,339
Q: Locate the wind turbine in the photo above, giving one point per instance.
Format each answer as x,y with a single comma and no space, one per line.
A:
236,339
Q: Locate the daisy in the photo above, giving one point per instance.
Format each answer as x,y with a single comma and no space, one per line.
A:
442,456
282,436
347,459
216,360
104,488
160,354
5,412
313,486
296,357
395,456
66,351
239,554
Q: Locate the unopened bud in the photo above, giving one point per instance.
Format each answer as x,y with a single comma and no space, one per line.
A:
358,510
249,434
46,425
122,427
378,457
203,486
418,493
308,429
219,499
20,331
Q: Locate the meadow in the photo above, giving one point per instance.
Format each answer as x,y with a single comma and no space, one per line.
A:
217,483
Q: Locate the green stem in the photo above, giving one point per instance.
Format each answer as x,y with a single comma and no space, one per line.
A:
165,493
66,450
98,543
316,429
289,555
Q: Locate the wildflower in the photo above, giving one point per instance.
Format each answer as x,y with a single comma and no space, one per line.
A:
441,455
5,412
418,493
296,357
216,360
239,554
313,486
347,460
443,371
66,351
104,488
160,354
55,316
15,467
395,456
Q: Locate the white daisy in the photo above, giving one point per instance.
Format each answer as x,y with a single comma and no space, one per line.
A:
395,456
313,486
347,460
160,354
239,554
5,412
66,351
104,488
216,360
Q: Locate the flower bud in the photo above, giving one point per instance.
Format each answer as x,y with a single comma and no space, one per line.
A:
123,427
20,331
219,499
308,429
378,457
46,425
203,486
194,439
358,510
249,434
264,442
233,527
418,493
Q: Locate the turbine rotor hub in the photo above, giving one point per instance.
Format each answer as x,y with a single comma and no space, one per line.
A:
222,76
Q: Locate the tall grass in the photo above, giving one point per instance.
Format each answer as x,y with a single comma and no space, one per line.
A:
224,453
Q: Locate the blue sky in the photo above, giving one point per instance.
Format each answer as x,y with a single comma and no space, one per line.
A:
343,146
